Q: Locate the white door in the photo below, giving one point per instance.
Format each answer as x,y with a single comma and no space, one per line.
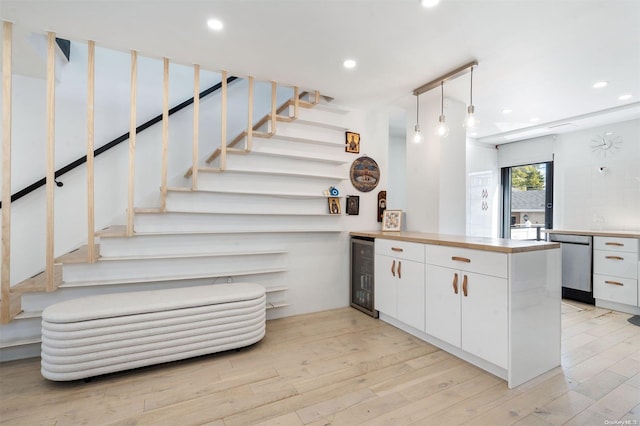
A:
385,287
484,317
443,303
410,293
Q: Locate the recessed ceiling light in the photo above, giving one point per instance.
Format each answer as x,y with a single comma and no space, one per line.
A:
507,111
349,63
429,3
600,84
215,24
625,96
534,119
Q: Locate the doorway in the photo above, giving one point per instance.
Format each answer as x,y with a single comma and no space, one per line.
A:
527,201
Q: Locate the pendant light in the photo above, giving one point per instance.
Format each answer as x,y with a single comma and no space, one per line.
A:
442,129
470,121
417,134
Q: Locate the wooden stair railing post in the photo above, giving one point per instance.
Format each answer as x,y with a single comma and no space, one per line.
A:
196,126
132,141
165,134
296,102
274,112
91,246
7,30
223,123
51,135
249,144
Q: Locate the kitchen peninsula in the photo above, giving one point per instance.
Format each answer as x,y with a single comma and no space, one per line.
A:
492,302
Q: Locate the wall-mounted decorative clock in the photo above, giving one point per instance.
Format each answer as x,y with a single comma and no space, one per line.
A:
606,144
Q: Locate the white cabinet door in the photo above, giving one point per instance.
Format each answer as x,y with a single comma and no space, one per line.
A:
484,317
410,294
443,303
385,287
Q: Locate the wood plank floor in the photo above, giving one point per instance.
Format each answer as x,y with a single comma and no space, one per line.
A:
343,368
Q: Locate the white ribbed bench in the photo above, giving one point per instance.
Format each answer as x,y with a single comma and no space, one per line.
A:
102,334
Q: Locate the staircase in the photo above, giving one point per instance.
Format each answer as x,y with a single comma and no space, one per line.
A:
252,220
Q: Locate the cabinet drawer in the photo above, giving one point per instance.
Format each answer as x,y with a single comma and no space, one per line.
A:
615,289
616,244
615,263
479,261
400,249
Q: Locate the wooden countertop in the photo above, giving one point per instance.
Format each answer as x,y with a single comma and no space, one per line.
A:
621,234
477,243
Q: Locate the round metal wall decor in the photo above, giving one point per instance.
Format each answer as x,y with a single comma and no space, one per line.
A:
365,174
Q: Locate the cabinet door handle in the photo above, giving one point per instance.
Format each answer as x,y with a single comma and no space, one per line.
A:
614,257
461,259
455,283
614,244
400,269
397,249
393,268
464,285
614,283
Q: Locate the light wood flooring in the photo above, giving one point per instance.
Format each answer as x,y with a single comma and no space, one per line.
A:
343,368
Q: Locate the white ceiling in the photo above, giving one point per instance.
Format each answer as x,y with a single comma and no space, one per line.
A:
537,57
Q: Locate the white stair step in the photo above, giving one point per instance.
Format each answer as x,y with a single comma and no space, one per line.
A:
20,342
325,116
201,222
289,155
280,165
20,328
169,268
298,129
39,301
137,257
234,180
175,244
220,202
301,147
306,138
182,277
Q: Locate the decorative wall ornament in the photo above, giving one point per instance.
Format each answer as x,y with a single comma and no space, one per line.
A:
353,205
352,141
382,204
334,205
365,174
392,220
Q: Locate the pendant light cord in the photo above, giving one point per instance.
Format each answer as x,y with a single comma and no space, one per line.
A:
471,94
442,98
417,109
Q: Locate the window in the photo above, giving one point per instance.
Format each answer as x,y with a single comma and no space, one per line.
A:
527,201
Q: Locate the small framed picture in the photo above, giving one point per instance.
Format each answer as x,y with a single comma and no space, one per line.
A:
334,205
392,220
353,205
352,142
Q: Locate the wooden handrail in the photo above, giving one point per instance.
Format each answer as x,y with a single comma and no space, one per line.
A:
196,126
51,140
5,279
223,123
132,141
165,134
249,143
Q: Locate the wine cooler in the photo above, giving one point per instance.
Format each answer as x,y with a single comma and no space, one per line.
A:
362,277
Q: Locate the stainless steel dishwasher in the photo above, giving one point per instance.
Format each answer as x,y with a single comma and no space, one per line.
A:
577,268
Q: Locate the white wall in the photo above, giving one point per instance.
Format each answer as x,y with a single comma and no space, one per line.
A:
436,171
587,199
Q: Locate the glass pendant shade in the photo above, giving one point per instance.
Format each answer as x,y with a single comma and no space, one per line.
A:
470,121
417,134
442,129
